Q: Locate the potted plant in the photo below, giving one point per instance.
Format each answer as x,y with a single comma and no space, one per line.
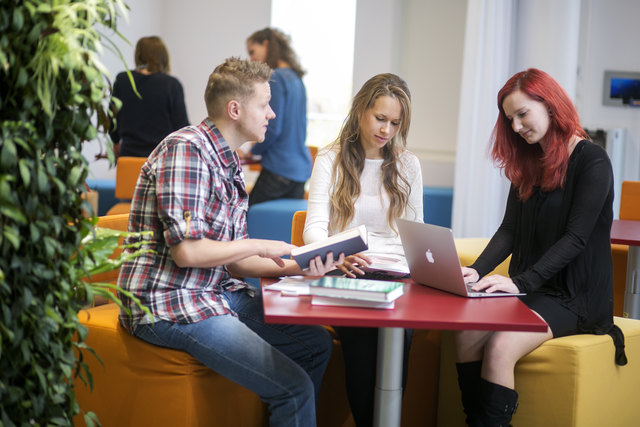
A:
52,99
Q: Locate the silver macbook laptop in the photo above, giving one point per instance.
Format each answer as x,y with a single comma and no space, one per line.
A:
433,260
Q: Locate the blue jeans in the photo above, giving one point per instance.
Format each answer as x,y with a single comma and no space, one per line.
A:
283,364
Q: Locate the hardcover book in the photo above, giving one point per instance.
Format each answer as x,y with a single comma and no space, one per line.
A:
351,302
348,242
360,289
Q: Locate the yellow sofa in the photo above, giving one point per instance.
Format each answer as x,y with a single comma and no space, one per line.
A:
569,381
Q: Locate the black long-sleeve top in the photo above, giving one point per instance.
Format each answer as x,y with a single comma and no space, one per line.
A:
560,242
143,122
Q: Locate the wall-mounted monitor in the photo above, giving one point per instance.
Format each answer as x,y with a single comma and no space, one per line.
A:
621,88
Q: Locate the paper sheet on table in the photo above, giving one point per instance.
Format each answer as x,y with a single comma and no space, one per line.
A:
292,285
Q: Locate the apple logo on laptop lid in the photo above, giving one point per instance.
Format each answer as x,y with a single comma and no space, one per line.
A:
429,256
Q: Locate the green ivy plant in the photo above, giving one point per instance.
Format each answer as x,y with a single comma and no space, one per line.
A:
52,99
95,257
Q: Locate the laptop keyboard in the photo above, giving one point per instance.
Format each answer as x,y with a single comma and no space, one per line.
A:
472,292
381,275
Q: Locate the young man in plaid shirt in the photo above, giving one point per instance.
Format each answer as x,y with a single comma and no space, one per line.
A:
191,194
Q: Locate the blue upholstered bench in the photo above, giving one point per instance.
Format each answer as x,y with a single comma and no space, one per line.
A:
438,205
272,219
106,188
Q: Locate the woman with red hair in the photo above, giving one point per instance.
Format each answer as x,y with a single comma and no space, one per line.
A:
556,228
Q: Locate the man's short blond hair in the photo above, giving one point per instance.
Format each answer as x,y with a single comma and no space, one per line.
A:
233,79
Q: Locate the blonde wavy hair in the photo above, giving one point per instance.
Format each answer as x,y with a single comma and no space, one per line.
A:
351,156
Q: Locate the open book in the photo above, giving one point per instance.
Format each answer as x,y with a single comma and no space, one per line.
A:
348,242
390,265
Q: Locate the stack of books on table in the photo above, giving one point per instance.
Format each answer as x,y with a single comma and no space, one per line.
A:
344,291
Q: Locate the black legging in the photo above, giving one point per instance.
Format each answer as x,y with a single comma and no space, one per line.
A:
271,186
359,349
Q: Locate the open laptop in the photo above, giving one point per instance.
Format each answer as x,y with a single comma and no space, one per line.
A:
433,260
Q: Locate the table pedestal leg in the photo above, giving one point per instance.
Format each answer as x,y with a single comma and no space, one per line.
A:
632,290
388,402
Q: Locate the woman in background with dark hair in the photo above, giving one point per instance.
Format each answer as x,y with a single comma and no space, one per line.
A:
286,161
556,228
143,121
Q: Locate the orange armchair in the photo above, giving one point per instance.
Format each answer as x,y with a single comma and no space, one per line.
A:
630,200
127,172
629,210
297,227
141,384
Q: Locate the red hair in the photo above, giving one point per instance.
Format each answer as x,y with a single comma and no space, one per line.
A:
527,165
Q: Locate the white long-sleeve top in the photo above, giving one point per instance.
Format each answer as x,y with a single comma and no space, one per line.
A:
372,205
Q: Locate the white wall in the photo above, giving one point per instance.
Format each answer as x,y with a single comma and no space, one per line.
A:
132,27
609,39
554,50
378,39
202,33
433,41
199,34
421,40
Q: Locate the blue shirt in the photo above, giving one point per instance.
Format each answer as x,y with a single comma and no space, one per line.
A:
284,151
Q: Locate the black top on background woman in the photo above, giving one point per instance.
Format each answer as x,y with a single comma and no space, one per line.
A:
144,121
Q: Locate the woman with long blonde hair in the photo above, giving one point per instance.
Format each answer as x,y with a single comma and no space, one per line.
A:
366,176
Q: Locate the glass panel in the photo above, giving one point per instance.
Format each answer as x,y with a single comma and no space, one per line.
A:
322,34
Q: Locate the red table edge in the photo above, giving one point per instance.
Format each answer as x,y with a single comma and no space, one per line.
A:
318,319
619,230
444,326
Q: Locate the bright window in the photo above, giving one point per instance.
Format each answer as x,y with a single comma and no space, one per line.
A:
322,34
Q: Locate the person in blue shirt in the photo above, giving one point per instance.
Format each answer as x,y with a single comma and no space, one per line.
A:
286,161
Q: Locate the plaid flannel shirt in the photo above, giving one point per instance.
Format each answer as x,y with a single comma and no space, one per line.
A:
191,186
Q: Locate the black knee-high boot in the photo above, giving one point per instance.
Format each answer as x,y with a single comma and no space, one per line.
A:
498,404
469,382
